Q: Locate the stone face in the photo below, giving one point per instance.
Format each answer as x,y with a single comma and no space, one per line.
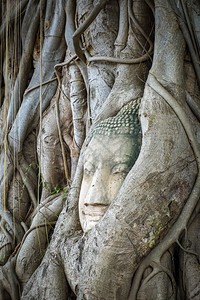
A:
107,162
110,155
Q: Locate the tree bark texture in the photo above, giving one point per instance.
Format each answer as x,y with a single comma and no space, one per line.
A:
65,67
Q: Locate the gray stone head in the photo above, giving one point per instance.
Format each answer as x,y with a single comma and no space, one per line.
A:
111,153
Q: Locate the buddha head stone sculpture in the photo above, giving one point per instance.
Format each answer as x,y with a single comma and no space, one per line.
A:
111,153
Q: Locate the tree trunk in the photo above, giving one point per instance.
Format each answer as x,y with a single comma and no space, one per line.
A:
73,73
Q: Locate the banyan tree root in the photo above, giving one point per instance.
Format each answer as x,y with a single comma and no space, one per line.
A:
9,284
154,258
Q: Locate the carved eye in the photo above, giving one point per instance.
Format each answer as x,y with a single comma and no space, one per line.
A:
121,169
89,170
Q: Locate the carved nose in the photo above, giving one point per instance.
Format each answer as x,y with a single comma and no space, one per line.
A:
97,192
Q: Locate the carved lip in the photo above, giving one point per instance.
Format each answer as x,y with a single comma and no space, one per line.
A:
94,211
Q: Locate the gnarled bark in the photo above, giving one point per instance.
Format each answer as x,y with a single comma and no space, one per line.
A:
107,65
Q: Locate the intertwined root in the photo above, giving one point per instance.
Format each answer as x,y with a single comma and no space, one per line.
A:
154,258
